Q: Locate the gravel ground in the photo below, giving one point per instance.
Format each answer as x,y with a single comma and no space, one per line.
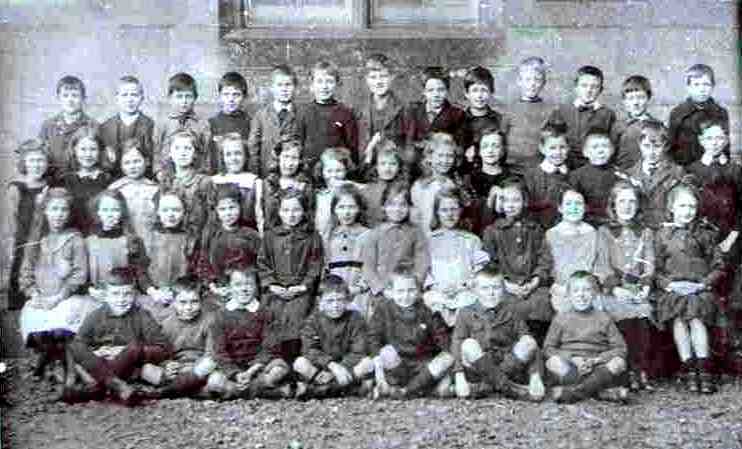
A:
666,418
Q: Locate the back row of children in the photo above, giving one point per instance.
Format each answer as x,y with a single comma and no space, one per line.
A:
399,188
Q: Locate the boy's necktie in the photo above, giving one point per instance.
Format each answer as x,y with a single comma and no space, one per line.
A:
282,116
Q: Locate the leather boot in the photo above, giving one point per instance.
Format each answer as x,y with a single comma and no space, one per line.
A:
596,381
186,384
420,383
689,376
707,384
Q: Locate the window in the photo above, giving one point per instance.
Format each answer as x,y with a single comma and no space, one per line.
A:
291,13
424,12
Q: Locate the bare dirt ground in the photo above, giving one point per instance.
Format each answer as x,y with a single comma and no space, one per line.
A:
666,418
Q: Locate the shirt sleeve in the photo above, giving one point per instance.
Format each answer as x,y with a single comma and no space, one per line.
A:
311,344
358,343
616,342
553,339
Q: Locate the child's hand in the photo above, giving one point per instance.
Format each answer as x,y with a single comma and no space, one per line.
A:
243,378
297,289
280,291
584,365
324,377
341,373
369,153
461,385
172,369
470,153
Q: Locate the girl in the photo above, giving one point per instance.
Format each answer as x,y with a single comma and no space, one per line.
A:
289,174
54,268
22,196
393,243
456,256
233,163
388,169
172,249
490,174
137,190
330,173
85,178
689,263
441,157
628,249
290,263
181,176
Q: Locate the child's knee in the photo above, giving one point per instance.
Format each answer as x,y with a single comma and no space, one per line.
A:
616,365
304,367
364,368
471,351
525,348
216,382
558,366
275,371
440,364
389,357
443,389
204,367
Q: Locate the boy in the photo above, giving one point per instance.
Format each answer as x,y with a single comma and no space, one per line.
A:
492,345
685,117
596,179
57,131
636,93
546,183
479,86
584,349
272,122
325,122
380,113
231,118
129,123
333,345
584,114
655,174
408,343
182,95
123,330
527,116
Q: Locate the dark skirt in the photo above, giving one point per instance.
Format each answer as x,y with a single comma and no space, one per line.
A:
672,305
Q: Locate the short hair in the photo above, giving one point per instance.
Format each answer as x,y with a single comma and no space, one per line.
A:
188,283
326,66
340,154
636,83
227,191
583,274
220,144
378,61
596,132
452,193
285,70
130,79
591,71
333,283
121,276
657,128
436,73
492,130
533,63
233,79
479,75
552,129
710,123
489,271
116,195
29,147
699,70
71,82
249,272
620,186
135,144
181,82
352,191
85,132
403,271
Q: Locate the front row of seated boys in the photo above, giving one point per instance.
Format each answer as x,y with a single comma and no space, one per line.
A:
227,348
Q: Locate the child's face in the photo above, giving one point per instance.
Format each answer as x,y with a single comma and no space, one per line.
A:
333,171
187,305
635,102
333,304
288,160
170,211
230,98
491,149
582,292
490,291
387,167
626,205
531,82
234,156
71,99
684,208
588,88
228,212
120,298
598,149
653,148
57,213
478,95
443,159
129,98
397,209
700,88
86,153
182,152
404,291
347,210
555,150
36,165
181,101
109,213
282,88
511,202
291,212
435,93
572,207
713,140
449,212
379,82
323,86
242,288
133,164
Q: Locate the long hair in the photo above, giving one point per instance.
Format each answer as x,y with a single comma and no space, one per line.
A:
353,192
85,132
221,141
453,194
94,203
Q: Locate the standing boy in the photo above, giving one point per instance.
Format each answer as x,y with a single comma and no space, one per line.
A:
636,93
231,118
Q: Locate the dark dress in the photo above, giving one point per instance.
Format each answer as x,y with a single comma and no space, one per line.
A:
83,191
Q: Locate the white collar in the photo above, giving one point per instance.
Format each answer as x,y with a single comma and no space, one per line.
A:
253,306
128,119
658,167
708,159
278,106
92,175
595,104
550,168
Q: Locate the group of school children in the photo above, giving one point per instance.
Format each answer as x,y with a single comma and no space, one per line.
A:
385,250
